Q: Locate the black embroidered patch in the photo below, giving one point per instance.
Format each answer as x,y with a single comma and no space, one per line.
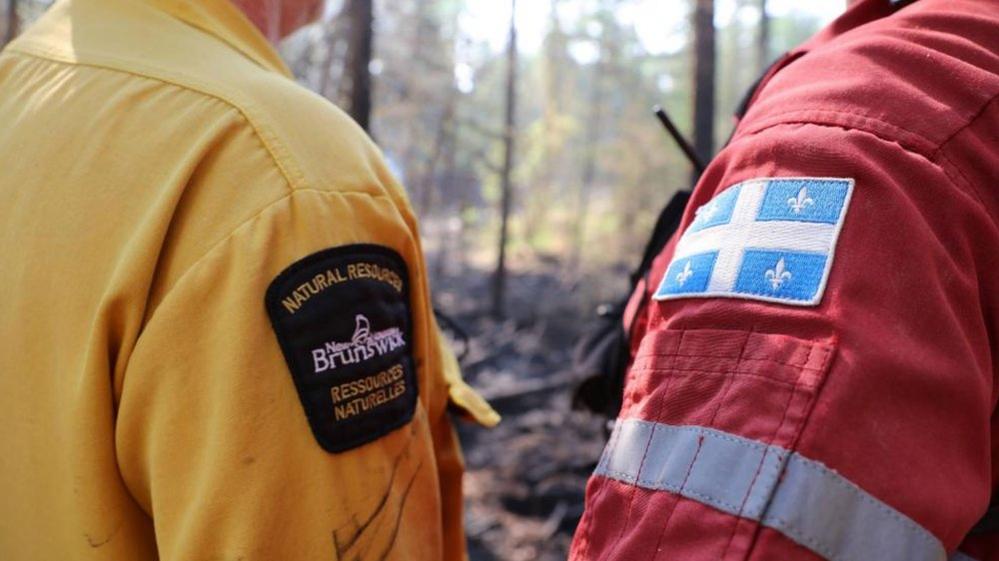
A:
342,318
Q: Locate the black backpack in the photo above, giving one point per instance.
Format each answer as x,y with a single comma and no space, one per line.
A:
601,355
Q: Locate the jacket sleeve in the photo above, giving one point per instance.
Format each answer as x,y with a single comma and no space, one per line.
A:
857,427
216,437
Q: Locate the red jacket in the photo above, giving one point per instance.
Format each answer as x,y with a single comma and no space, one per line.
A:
814,358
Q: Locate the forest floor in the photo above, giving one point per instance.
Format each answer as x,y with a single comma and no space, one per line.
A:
525,478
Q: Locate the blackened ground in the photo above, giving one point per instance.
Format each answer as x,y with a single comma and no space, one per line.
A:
525,478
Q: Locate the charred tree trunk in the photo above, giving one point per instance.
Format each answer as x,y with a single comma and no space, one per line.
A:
360,14
506,195
704,79
13,23
427,193
333,55
447,243
763,38
413,95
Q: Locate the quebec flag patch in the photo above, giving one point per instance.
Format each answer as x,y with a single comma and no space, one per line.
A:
770,239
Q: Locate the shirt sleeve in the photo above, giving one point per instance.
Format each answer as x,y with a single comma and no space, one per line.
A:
779,408
247,434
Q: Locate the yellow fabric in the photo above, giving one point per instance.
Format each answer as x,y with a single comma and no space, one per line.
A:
225,21
464,396
157,170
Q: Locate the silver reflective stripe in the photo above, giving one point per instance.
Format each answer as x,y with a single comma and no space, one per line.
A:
812,505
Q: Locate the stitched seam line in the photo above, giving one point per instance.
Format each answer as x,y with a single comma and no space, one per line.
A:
856,491
714,434
842,127
775,521
686,372
951,170
971,193
974,118
728,383
675,489
814,543
807,407
246,223
796,115
824,548
605,459
794,365
659,411
631,498
759,468
54,58
801,365
225,240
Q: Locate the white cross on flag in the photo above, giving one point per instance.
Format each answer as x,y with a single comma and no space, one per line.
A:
770,239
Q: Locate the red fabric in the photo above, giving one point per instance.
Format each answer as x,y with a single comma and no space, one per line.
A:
891,379
682,538
698,377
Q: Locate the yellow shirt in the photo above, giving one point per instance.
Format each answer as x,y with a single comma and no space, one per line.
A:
216,339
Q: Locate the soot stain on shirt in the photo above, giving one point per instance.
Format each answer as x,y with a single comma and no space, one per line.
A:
372,537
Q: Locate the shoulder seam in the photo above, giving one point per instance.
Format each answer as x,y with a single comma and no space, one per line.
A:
252,218
932,157
974,118
940,155
955,174
808,116
149,313
241,108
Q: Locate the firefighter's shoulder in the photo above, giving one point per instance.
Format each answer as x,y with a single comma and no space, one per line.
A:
196,80
916,77
214,131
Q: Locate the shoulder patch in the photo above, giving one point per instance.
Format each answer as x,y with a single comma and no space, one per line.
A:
342,318
770,239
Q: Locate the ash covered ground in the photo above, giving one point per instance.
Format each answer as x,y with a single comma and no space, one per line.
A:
525,478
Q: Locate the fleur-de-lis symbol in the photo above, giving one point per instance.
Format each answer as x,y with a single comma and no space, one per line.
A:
799,203
685,274
705,212
778,275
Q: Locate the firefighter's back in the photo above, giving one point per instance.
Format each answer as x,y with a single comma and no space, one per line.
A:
158,168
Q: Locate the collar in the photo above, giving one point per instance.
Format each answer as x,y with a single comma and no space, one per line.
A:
856,14
222,19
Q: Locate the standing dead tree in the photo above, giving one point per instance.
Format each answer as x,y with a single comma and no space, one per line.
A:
445,131
594,129
763,38
412,124
506,195
332,60
360,17
704,78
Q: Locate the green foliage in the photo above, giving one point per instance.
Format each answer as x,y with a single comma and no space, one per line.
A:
592,166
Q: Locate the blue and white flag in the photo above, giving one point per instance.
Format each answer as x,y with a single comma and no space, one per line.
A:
769,239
